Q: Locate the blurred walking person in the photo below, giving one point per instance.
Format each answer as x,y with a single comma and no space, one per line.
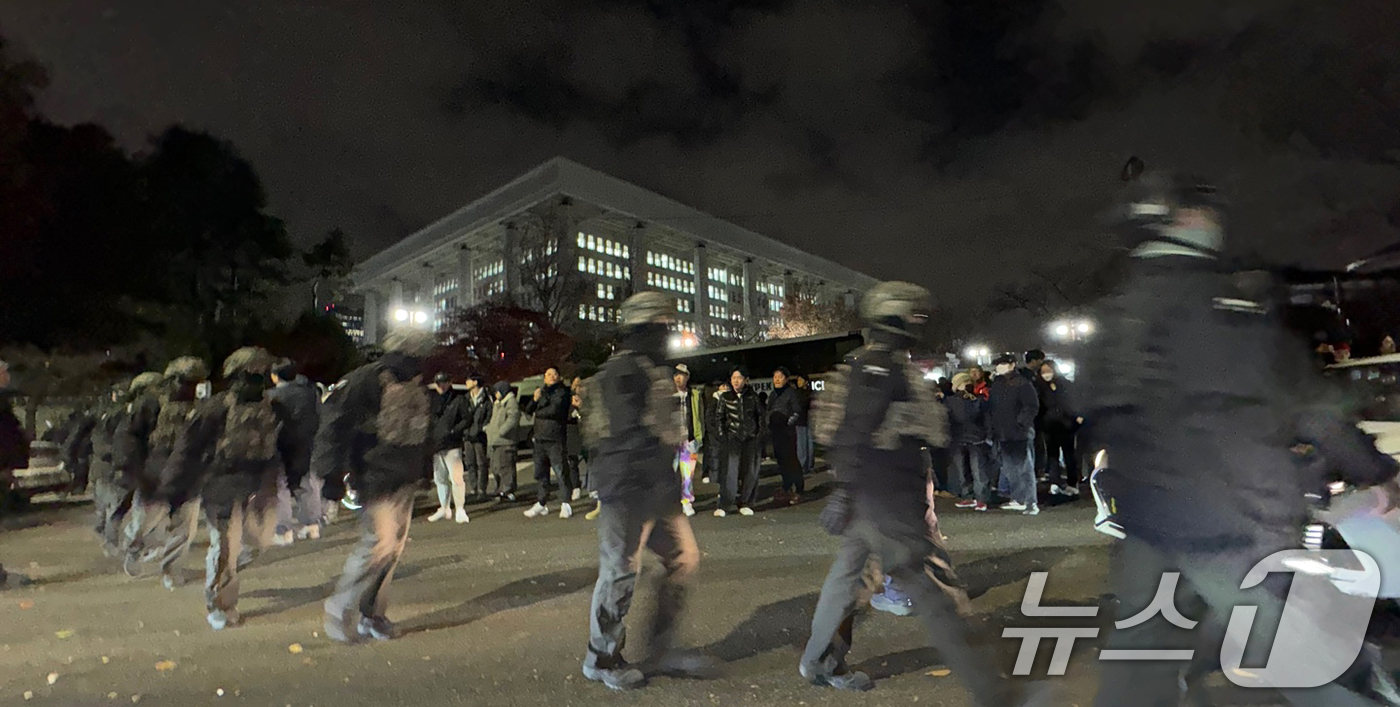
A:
298,407
14,454
389,397
111,499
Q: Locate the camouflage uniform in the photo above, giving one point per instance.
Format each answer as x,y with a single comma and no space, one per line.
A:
111,499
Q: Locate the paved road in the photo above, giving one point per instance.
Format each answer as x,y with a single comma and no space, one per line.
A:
495,613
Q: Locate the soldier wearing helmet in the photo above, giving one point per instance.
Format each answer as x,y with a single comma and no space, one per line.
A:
634,421
161,528
1190,390
376,426
225,452
874,418
111,500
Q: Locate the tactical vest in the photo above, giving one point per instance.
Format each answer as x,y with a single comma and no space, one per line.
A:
250,432
664,414
922,417
404,416
169,423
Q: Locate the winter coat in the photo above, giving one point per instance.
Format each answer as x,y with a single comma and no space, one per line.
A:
132,444
632,461
784,408
804,407
1058,409
738,416
551,412
77,439
503,429
477,411
227,445
382,416
1012,408
107,419
967,419
298,407
449,415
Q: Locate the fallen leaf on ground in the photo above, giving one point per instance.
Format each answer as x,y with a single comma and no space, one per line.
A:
939,673
219,692
53,678
26,604
28,695
106,660
294,648
165,666
65,633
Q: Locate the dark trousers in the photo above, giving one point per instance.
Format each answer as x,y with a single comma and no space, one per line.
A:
503,460
1062,460
1042,455
81,470
739,487
1211,579
938,459
904,556
622,533
550,455
476,467
113,504
370,567
789,465
969,472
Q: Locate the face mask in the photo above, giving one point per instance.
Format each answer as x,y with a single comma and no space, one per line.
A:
1048,377
1004,369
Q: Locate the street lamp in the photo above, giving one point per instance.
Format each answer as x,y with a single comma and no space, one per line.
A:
979,354
405,316
1072,329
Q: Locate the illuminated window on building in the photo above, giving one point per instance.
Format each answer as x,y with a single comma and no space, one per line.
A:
670,262
772,289
444,285
606,292
685,306
718,311
491,270
720,294
603,246
724,277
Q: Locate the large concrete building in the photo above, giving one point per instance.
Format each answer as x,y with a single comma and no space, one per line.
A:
614,238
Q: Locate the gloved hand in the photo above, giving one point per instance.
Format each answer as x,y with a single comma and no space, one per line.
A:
334,488
837,514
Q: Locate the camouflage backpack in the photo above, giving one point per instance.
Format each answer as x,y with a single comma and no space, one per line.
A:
922,417
250,432
664,415
829,408
173,414
403,411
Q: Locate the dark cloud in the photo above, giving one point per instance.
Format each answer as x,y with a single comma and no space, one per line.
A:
957,143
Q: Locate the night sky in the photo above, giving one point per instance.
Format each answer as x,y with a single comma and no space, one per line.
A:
983,135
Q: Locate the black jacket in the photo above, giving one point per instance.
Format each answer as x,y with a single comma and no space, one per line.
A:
210,456
738,416
967,419
784,408
1190,388
804,406
132,443
551,412
1058,411
449,419
107,419
477,413
352,439
14,443
632,465
77,439
298,406
1013,408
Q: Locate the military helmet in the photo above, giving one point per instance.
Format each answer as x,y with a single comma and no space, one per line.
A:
410,342
249,359
647,308
896,306
144,381
187,368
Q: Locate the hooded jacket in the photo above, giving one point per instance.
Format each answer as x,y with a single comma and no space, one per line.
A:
503,428
967,418
381,415
298,406
1013,407
477,408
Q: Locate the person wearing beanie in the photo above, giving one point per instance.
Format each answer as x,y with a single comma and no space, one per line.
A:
224,454
389,397
635,422
503,433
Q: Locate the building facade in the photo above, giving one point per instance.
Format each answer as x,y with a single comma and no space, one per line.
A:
575,242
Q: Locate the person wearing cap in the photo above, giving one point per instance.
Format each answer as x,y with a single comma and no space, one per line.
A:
475,461
14,454
688,452
448,410
875,422
635,422
502,435
784,409
387,396
1011,412
224,454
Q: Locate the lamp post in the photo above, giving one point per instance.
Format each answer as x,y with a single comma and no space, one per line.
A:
1072,330
980,355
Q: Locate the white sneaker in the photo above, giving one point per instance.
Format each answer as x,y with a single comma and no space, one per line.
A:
719,513
1013,506
309,532
704,479
1032,511
593,495
566,512
1072,491
536,511
283,539
462,516
439,514
576,495
1055,490
745,511
687,510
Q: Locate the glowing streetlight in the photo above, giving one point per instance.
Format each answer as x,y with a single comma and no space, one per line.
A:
1071,329
401,315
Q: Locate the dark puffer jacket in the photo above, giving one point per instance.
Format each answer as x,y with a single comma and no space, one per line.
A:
1012,408
551,412
738,416
967,418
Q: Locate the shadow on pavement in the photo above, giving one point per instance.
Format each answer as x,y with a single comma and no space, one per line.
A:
782,624
985,574
517,594
297,597
274,555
